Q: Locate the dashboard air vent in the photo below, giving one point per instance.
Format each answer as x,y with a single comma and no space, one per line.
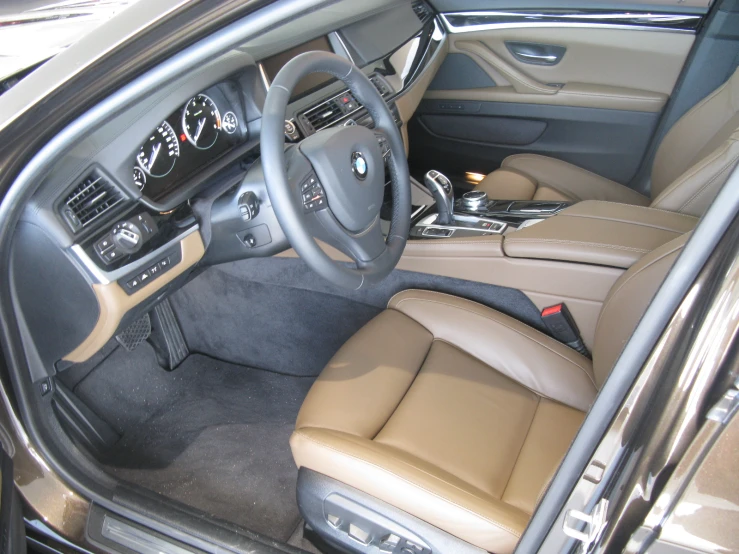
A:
89,200
422,11
324,114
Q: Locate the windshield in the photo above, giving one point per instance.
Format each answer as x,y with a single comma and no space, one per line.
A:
32,31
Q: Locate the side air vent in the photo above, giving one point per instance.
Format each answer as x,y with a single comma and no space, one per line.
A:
381,86
422,11
93,197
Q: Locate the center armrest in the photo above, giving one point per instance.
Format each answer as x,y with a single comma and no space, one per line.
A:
599,233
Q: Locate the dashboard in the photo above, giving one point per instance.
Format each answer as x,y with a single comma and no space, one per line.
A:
174,180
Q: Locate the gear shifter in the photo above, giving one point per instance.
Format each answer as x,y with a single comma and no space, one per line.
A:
443,193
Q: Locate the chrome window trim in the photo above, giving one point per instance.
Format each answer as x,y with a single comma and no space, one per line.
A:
468,22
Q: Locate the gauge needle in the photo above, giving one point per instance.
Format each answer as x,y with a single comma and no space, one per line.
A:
154,154
199,130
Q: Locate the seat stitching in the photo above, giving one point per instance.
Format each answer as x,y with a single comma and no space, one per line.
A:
637,272
531,424
409,386
703,164
650,208
508,327
433,493
632,222
532,391
447,241
573,167
577,242
601,95
709,183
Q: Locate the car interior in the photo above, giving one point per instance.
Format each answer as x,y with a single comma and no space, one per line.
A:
354,285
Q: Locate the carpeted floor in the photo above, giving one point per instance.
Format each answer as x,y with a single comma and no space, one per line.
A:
210,434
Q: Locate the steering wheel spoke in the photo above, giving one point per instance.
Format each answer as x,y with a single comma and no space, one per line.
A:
331,185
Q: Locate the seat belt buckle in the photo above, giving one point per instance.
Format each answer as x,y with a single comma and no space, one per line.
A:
561,325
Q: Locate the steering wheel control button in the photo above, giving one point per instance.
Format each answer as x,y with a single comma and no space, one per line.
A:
384,145
314,197
140,279
248,206
359,166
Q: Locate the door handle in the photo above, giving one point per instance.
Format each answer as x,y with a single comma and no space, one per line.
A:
533,53
546,58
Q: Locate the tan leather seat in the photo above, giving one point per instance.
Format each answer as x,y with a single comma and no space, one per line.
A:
694,159
458,414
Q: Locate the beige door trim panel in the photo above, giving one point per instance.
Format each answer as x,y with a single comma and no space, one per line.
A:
114,303
601,68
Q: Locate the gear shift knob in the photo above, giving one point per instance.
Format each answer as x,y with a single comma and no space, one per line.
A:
443,193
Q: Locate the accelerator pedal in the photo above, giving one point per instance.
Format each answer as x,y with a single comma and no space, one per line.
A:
166,337
136,333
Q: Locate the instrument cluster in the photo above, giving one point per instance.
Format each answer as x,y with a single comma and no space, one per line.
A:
196,134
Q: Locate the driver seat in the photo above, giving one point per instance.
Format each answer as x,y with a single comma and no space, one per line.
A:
458,414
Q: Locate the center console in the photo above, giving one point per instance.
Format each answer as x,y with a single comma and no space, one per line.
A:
475,214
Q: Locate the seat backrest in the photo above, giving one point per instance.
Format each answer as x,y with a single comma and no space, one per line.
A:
698,153
626,303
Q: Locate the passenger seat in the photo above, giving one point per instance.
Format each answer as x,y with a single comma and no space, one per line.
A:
692,163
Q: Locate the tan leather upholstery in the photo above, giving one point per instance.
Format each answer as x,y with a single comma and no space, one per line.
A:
572,183
692,163
458,414
600,233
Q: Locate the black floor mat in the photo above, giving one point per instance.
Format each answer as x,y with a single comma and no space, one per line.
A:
210,434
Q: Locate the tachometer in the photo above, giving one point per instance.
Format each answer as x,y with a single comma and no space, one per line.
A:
201,121
160,152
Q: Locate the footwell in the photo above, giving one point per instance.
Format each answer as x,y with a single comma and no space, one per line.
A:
212,435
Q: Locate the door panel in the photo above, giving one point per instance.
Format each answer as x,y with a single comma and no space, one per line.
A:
610,142
588,89
649,61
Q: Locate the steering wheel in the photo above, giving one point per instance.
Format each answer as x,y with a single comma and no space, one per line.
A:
331,185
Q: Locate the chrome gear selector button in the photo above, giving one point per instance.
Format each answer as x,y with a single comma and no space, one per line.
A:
475,200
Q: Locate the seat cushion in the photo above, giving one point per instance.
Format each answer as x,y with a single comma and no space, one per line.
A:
554,180
450,411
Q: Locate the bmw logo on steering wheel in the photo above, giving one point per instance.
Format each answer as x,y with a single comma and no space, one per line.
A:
359,166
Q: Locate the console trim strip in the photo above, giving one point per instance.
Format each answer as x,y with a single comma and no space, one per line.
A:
467,22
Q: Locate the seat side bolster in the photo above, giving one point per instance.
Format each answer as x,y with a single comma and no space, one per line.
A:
518,351
507,184
573,181
695,189
411,485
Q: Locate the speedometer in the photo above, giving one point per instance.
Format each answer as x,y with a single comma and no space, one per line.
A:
160,152
201,122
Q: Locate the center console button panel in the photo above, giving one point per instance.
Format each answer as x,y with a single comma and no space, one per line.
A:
135,281
462,226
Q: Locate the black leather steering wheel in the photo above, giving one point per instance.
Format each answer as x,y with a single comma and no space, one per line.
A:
331,185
